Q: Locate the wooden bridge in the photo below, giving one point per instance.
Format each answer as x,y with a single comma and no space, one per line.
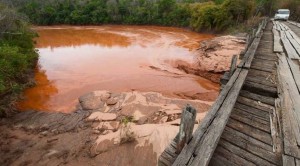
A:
256,118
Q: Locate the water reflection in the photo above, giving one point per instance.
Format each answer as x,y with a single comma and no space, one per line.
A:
77,60
40,94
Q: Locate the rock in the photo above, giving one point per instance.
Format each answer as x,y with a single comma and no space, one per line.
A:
107,132
50,154
44,127
96,131
44,133
100,116
163,120
111,101
91,102
113,125
104,95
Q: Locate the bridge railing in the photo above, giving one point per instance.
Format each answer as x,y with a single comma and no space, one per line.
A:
199,149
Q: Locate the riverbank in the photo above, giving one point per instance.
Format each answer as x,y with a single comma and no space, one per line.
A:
131,126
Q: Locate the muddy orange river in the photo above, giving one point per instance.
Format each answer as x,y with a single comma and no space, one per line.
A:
77,60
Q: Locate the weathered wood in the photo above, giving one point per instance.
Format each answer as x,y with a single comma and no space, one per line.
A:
277,46
288,160
255,104
187,123
260,89
251,110
189,149
259,67
250,147
218,160
295,69
251,53
243,153
254,72
291,52
233,158
294,43
206,147
290,91
250,120
233,64
257,97
248,130
254,111
267,81
249,139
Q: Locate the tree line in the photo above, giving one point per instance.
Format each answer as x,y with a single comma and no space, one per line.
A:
196,14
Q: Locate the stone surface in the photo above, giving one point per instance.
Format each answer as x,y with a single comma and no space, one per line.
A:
111,101
100,116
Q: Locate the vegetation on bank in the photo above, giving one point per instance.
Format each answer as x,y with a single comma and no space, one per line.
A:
17,56
214,15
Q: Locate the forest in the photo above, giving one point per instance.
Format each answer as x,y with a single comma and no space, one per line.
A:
199,15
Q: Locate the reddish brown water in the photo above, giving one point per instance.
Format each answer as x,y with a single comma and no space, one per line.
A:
77,60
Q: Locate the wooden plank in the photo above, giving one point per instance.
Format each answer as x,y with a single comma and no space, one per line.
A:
246,62
249,139
257,97
189,149
294,43
260,89
254,72
259,67
267,81
288,160
289,48
233,158
263,63
250,120
255,104
289,88
297,162
251,131
276,44
295,36
206,147
218,160
259,113
266,58
244,154
295,69
251,147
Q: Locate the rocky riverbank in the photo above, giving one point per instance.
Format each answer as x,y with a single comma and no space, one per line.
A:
107,129
213,57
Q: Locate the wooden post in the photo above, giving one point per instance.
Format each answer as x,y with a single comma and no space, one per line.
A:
258,30
169,155
233,65
187,123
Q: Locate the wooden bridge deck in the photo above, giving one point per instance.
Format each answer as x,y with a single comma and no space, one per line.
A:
256,118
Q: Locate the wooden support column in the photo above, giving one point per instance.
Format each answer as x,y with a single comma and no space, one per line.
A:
233,65
184,135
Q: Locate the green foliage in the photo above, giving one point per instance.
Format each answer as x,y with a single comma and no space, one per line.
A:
17,53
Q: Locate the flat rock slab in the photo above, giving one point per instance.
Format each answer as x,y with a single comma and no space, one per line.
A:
100,116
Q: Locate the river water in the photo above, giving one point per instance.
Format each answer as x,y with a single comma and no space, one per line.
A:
76,60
